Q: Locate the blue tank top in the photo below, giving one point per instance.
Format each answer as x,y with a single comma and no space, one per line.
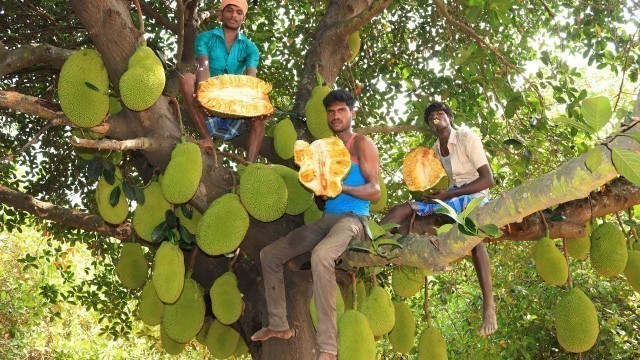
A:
345,203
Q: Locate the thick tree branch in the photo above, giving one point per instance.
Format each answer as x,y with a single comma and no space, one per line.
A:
358,21
113,145
390,129
157,17
30,55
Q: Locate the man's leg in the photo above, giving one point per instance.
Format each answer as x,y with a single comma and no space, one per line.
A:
483,270
398,214
254,141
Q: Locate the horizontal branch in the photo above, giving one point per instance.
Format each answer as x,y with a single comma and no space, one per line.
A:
156,16
358,21
390,129
113,145
25,56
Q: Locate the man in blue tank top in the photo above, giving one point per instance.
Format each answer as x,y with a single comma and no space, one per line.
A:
326,238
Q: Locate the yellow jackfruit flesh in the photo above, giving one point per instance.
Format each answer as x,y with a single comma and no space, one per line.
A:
235,96
354,42
632,270
150,309
578,248
223,225
550,263
323,165
143,82
403,333
316,114
168,272
432,345
81,103
355,339
147,216
263,193
222,340
284,136
406,281
379,310
380,205
421,169
314,311
576,321
190,224
608,251
111,214
182,175
226,299
312,214
183,319
132,267
299,198
169,345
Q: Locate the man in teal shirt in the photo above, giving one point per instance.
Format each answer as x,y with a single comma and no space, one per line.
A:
224,50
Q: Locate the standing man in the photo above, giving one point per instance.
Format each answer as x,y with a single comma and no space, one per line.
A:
224,50
326,238
466,164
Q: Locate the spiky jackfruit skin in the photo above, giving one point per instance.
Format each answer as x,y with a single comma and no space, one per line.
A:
132,267
150,309
222,340
380,205
226,299
111,214
223,225
182,175
314,311
632,270
147,216
578,248
608,250
355,339
142,84
406,281
168,272
550,263
284,136
403,333
316,114
576,321
353,42
432,345
312,214
84,106
379,310
183,319
169,345
242,348
114,105
263,193
299,198
190,224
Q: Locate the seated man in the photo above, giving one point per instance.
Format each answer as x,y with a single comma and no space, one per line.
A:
466,164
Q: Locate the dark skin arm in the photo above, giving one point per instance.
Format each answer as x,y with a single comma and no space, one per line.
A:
367,154
483,182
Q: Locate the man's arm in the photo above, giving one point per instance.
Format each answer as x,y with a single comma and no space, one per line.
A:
202,69
369,166
251,71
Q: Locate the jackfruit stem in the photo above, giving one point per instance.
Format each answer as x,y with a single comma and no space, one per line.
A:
192,259
426,301
544,221
626,234
233,261
140,19
354,290
566,258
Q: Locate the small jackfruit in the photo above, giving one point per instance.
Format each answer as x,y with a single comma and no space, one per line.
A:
355,339
284,136
576,320
550,263
323,165
379,310
226,299
380,205
314,311
578,248
190,224
182,176
168,272
169,345
183,319
353,42
222,340
223,226
132,266
142,84
147,216
150,308
403,333
111,214
421,169
299,198
608,250
316,113
632,270
263,193
406,281
432,345
312,214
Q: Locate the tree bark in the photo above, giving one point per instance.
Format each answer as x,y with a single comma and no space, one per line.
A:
31,55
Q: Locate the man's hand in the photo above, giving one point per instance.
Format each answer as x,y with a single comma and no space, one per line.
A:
207,145
441,195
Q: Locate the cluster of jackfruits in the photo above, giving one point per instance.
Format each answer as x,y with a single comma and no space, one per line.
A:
263,193
182,175
111,214
284,137
576,322
339,307
431,345
147,216
223,226
168,272
404,331
608,251
421,169
406,281
578,248
235,96
323,165
379,311
226,299
353,42
83,88
316,114
550,263
142,84
132,266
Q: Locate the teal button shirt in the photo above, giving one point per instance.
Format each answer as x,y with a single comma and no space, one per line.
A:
243,53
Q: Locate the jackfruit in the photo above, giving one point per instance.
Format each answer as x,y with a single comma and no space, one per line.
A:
263,193
150,308
111,214
242,348
421,169
314,311
353,42
578,248
235,96
183,320
190,224
406,281
114,105
222,340
632,270
226,299
323,165
316,113
142,84
355,339
223,225
576,320
284,136
608,250
169,345
168,272
403,333
299,198
379,310
83,105
550,263
361,293
132,267
432,345
312,214
201,337
147,216
381,205
182,175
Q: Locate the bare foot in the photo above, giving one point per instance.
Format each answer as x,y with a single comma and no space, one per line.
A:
489,321
327,356
266,333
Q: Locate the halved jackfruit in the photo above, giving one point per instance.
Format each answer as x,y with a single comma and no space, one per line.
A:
421,169
235,96
323,165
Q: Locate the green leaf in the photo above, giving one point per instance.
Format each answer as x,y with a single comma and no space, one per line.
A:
513,142
596,111
627,163
187,211
390,226
388,241
359,248
593,159
92,87
109,172
444,228
576,124
94,169
139,196
158,233
468,228
129,191
491,230
448,210
171,219
114,197
185,235
472,205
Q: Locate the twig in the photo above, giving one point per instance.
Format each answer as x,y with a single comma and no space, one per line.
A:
544,221
426,300
624,69
113,145
238,158
155,15
547,8
626,234
354,290
140,19
192,259
356,22
33,140
566,258
235,258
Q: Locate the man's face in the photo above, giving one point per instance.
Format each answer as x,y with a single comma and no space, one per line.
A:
232,17
438,120
339,116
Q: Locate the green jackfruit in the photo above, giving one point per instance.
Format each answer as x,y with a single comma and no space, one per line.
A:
147,216
83,105
314,311
402,335
142,84
316,114
299,198
578,248
222,340
406,281
263,193
223,226
226,299
312,214
190,224
182,175
169,345
379,310
150,308
284,136
632,270
114,105
168,272
550,263
608,250
201,337
242,348
355,339
431,345
183,320
576,319
353,41
111,214
132,266
381,205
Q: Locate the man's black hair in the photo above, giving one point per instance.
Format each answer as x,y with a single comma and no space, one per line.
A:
437,106
339,95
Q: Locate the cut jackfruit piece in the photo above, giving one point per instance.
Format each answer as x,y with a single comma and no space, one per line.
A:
235,96
323,165
421,169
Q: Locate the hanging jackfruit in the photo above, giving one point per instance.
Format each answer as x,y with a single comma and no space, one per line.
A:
608,250
150,308
316,113
226,299
379,310
323,165
147,216
168,272
182,175
404,331
406,281
632,270
284,136
263,193
299,198
235,96
578,248
355,338
550,263
421,169
576,321
132,266
183,320
353,42
222,340
190,224
223,225
432,345
142,84
111,214
380,205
